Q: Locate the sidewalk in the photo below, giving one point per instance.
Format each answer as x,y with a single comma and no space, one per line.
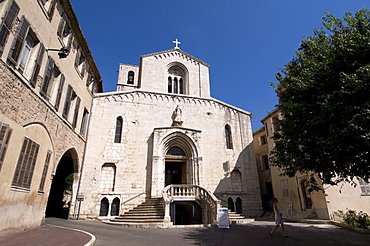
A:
49,235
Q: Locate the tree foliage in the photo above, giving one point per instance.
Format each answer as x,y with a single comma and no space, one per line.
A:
325,101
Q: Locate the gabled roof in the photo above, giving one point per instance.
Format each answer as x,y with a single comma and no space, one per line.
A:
176,51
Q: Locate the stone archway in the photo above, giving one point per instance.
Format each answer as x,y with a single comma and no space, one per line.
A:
62,186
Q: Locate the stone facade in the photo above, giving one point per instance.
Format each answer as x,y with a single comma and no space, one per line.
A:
156,119
34,109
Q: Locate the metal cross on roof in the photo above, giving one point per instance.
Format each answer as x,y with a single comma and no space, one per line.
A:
177,43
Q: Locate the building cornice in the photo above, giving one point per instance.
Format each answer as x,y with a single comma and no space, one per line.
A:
176,52
68,9
118,94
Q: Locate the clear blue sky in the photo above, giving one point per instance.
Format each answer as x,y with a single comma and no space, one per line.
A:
244,41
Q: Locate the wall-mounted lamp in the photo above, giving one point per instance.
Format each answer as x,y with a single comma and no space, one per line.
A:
63,52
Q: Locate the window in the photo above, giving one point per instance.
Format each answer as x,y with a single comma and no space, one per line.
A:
130,78
45,171
262,140
77,108
72,102
169,85
266,129
22,46
228,137
5,133
284,187
176,151
49,6
365,187
84,121
59,92
64,31
37,66
80,62
265,162
118,135
274,123
51,75
26,164
175,80
67,103
7,24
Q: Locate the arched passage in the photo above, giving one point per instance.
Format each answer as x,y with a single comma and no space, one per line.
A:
62,186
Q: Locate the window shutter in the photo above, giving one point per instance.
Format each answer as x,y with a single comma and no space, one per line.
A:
59,94
36,69
67,102
7,24
5,133
61,26
75,116
47,77
19,42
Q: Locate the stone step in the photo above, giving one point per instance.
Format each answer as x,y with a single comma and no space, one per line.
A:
137,220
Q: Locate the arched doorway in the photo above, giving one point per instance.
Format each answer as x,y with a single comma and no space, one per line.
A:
115,207
175,166
62,186
230,204
104,207
238,206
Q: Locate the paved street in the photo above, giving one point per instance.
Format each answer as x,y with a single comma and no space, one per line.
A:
250,234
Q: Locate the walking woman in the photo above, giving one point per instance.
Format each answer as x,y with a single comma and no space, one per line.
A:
278,218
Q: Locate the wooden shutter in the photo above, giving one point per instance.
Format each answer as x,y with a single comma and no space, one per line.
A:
36,68
47,78
75,115
5,133
18,42
61,26
67,103
59,94
7,24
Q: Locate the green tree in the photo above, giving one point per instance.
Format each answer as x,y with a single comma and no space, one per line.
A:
324,97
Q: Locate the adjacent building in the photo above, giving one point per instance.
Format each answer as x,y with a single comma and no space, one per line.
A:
48,78
295,200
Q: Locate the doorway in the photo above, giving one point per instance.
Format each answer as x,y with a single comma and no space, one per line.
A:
61,188
175,172
186,213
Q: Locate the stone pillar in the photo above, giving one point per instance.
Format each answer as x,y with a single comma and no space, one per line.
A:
157,176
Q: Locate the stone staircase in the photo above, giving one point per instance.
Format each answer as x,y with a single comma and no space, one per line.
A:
149,212
235,218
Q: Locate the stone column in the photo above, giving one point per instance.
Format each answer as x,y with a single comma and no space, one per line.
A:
157,176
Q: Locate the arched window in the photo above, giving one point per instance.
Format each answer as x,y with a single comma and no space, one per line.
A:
238,205
118,135
176,151
130,78
169,85
229,139
108,177
104,205
115,207
230,204
176,76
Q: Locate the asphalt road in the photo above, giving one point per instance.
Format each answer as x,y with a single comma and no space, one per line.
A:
255,233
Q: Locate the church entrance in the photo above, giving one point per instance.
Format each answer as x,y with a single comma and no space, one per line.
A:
175,172
61,188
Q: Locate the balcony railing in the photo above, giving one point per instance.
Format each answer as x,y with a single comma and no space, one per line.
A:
209,202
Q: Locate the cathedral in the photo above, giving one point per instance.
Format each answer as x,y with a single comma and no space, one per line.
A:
162,136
